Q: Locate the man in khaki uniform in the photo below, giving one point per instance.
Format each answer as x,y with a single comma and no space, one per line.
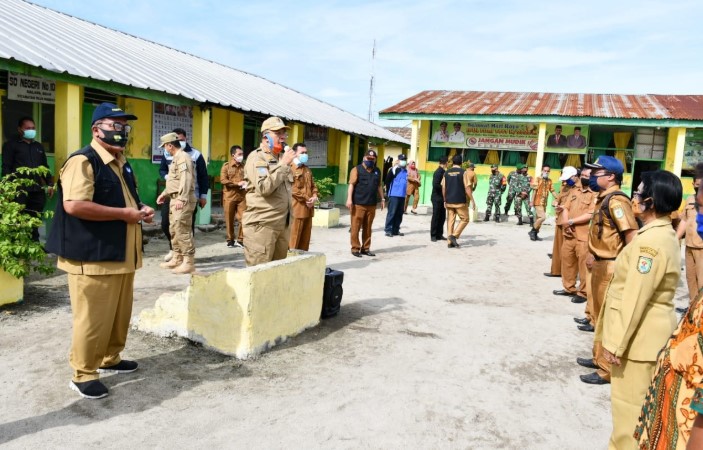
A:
234,195
97,236
413,188
576,214
304,198
362,197
612,227
542,187
268,177
638,316
568,175
180,188
694,244
457,193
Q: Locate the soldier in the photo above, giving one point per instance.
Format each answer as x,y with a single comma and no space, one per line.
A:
613,226
568,178
304,198
496,187
180,188
269,178
456,191
234,195
362,197
413,188
523,196
513,184
542,188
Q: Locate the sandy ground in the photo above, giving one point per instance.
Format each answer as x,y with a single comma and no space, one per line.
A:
434,348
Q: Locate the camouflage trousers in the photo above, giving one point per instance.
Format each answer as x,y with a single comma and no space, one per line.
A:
509,200
494,198
519,202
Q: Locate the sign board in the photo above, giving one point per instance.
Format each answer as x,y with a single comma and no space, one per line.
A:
316,143
30,89
165,119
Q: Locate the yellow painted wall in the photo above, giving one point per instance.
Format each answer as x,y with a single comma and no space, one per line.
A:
236,130
11,288
139,146
674,150
423,139
219,141
344,144
67,120
201,131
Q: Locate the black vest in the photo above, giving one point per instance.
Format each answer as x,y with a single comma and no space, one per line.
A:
455,191
366,187
87,240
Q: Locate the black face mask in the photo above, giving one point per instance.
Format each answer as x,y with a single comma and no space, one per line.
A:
114,138
584,182
369,164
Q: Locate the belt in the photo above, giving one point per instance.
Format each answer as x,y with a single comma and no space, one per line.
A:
598,258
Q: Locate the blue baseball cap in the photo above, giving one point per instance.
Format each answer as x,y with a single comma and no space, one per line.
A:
609,163
111,111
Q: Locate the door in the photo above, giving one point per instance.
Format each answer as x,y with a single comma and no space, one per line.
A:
640,166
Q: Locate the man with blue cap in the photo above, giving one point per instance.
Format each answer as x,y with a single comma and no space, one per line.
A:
97,235
612,227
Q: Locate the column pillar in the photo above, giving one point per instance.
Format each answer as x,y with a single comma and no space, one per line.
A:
674,150
67,121
541,141
201,141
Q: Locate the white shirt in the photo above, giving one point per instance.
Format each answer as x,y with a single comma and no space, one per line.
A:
456,136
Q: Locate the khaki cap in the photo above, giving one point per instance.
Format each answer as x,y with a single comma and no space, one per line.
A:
273,124
169,137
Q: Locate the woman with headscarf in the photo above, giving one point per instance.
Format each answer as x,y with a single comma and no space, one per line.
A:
413,188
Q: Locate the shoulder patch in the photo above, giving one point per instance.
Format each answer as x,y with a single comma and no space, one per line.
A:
262,171
644,264
649,251
618,212
183,167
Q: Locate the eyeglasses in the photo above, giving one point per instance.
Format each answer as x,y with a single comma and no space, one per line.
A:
117,126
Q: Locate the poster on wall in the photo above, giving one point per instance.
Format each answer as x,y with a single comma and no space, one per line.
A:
505,136
316,143
693,148
165,119
30,89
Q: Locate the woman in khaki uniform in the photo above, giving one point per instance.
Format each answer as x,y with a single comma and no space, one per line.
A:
180,187
234,195
413,188
638,315
304,196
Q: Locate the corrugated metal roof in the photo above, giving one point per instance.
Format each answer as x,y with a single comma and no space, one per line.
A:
54,41
404,132
616,106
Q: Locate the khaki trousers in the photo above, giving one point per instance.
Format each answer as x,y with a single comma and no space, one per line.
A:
453,210
556,250
361,219
265,244
694,271
541,216
234,209
415,192
300,231
101,306
573,262
601,274
181,228
628,387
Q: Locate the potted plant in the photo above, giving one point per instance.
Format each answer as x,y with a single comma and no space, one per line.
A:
19,254
325,189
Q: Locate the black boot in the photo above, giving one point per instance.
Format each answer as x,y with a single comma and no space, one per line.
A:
532,221
519,220
537,238
533,234
506,209
487,217
497,218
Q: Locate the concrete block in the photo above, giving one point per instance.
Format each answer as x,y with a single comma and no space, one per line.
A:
12,289
243,312
326,218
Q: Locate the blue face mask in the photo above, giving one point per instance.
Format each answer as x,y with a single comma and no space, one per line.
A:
570,182
699,221
29,134
593,183
303,158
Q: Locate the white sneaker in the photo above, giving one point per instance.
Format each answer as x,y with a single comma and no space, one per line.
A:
168,256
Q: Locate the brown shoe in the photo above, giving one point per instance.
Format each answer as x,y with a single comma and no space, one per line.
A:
175,261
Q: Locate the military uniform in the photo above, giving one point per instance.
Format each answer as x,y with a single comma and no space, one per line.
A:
303,189
523,199
605,243
101,291
637,319
180,185
513,189
233,197
267,216
694,249
496,187
574,249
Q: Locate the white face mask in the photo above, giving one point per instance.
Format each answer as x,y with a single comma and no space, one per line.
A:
183,144
239,158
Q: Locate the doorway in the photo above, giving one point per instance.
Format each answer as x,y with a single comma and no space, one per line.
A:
640,166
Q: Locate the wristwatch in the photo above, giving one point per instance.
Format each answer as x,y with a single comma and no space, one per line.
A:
570,222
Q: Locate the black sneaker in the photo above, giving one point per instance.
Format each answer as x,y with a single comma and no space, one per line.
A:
123,366
230,244
92,389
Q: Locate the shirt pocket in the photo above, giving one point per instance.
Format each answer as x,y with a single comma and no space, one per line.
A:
615,302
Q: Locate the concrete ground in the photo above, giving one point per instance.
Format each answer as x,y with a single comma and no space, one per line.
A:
433,348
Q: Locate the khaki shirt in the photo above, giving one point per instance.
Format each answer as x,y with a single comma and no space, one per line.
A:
268,191
470,179
180,183
610,243
303,189
638,313
561,199
578,202
78,183
232,173
693,240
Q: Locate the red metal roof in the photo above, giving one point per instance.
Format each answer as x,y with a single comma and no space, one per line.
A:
616,106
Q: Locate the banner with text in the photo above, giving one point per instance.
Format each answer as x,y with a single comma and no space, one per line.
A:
316,142
30,89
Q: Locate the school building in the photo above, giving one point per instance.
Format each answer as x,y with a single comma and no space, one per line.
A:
646,132
57,68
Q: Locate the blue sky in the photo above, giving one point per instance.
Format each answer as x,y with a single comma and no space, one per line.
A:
323,49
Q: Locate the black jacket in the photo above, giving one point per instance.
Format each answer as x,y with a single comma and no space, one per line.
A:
18,153
437,184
